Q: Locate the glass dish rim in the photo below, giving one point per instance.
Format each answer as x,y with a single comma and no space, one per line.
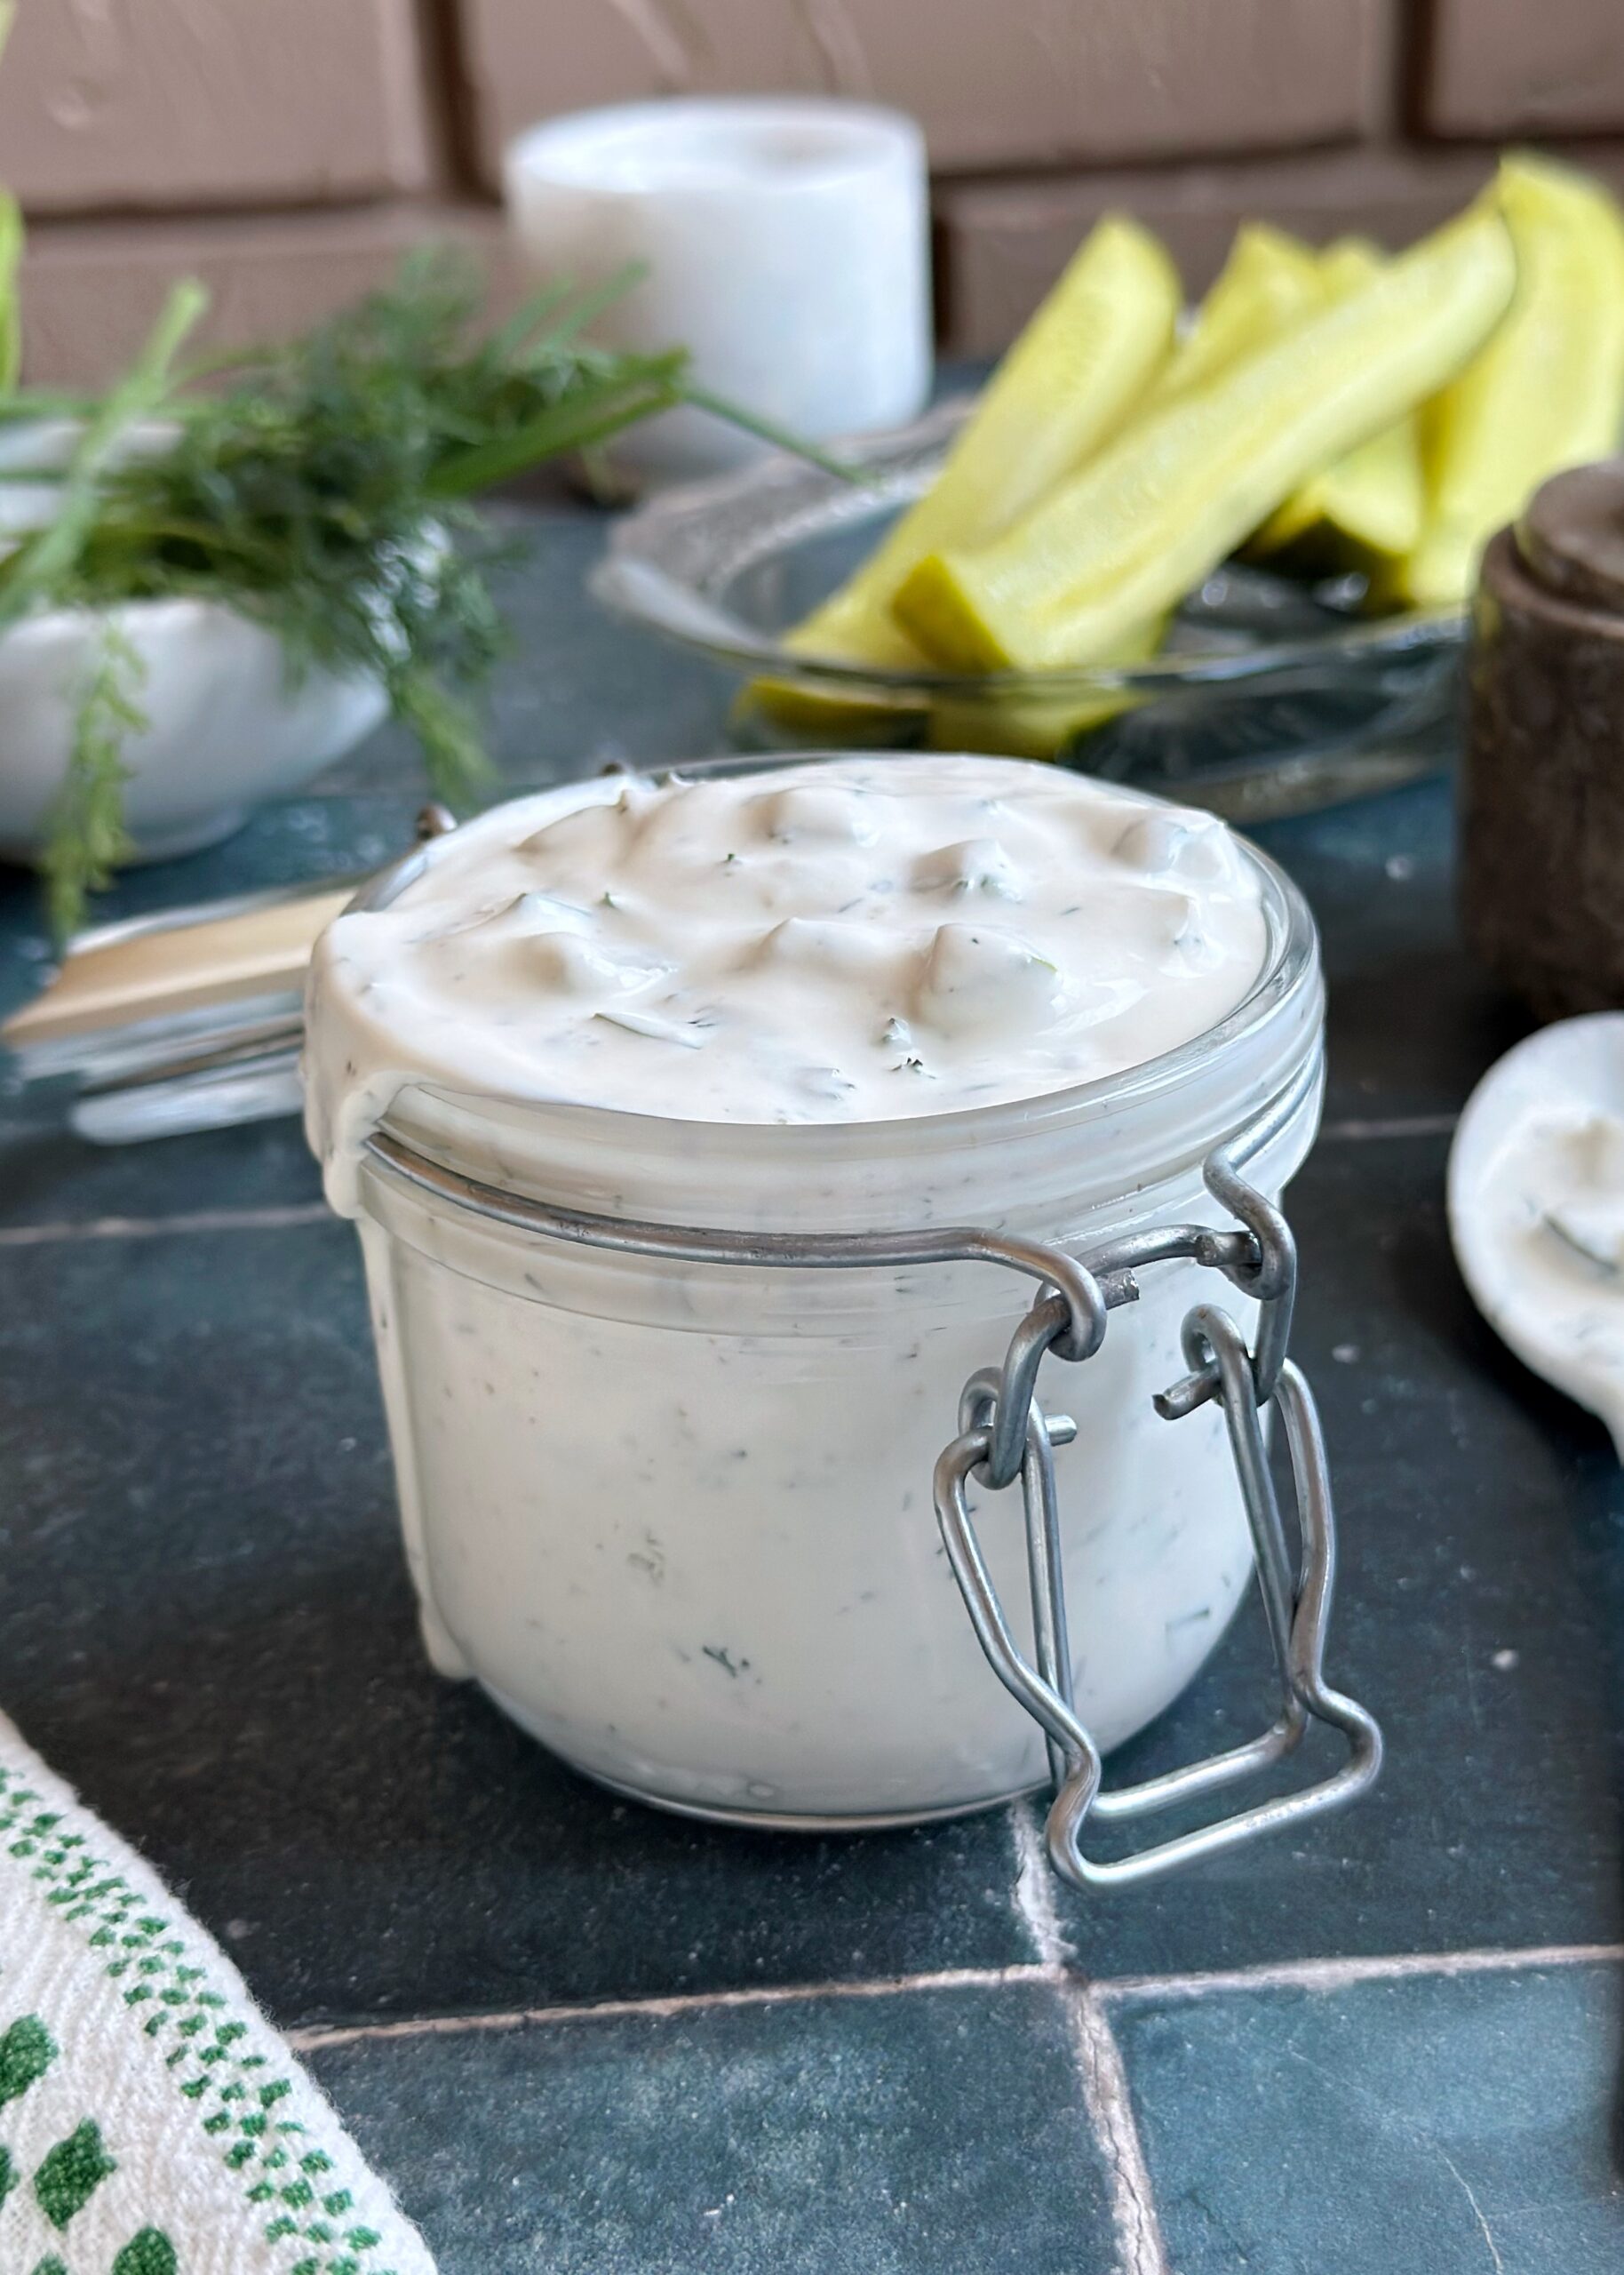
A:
633,585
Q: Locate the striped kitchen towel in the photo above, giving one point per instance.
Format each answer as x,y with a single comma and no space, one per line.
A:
151,2121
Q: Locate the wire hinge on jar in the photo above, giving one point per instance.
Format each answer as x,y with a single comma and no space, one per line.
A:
1006,1435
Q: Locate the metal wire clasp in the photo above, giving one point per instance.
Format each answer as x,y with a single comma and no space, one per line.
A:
1004,1433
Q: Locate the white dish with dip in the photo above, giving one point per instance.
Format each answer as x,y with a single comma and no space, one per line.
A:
676,1515
1536,1206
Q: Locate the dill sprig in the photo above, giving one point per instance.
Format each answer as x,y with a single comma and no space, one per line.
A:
88,840
323,491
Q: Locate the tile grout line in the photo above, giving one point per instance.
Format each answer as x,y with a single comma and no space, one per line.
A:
1101,2072
1348,1974
1404,1125
1108,2102
319,2037
1033,1895
1309,1974
284,1218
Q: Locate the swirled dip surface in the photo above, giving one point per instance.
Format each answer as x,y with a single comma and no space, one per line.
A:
856,941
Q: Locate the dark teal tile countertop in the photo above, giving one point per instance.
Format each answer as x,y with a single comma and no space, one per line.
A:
580,2036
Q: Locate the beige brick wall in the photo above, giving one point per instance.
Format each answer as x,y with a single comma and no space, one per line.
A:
107,104
1523,67
287,150
91,289
997,82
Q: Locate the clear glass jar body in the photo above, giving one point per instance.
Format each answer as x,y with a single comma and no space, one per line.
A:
676,1518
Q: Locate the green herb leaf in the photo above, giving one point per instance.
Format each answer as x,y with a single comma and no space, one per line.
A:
10,257
324,493
88,840
44,559
575,425
768,430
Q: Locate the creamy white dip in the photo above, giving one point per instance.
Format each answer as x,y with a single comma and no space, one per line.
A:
677,1518
858,941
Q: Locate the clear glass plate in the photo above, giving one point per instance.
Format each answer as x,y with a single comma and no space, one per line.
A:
1272,695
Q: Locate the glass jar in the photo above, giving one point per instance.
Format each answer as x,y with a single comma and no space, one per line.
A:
676,1515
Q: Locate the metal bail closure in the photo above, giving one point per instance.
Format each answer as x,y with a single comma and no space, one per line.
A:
1296,1597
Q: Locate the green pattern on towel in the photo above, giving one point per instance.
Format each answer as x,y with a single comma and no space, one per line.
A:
147,2113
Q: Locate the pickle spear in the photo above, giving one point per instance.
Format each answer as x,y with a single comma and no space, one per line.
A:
1158,508
1037,726
1546,393
1367,508
1080,368
1268,281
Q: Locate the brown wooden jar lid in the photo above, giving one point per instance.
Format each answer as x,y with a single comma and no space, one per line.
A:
1571,535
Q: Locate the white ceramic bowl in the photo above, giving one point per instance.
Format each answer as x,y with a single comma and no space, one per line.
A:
226,723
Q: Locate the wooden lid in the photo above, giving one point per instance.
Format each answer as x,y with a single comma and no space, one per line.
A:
1570,535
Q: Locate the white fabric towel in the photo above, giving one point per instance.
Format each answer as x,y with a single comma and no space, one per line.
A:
151,2121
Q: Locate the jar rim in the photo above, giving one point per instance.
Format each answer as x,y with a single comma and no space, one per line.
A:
1263,1042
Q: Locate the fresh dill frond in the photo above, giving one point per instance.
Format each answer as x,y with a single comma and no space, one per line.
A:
44,564
87,838
446,729
324,492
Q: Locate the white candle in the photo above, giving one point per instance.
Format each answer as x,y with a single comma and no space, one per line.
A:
786,244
